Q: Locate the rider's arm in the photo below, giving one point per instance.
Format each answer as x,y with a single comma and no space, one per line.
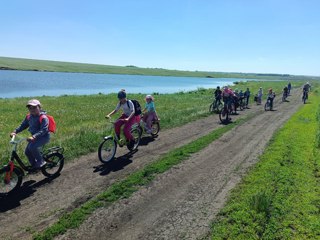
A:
24,125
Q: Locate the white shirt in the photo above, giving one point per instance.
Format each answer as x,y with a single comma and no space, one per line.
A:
126,110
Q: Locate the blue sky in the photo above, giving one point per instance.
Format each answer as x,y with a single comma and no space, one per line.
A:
266,36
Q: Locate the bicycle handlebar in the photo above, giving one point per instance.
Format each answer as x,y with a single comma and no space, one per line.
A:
12,141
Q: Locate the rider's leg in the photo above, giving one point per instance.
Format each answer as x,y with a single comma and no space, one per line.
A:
118,124
149,120
33,151
127,129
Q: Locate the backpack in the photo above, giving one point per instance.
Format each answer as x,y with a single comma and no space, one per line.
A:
137,107
52,123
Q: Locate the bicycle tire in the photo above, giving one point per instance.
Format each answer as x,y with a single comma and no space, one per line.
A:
15,181
54,165
211,107
219,107
136,133
155,128
107,150
266,106
224,116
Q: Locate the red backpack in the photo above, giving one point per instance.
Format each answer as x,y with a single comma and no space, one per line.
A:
52,123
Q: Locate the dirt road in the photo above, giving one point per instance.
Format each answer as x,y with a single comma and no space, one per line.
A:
179,204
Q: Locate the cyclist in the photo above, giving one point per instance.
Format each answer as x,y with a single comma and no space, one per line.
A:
40,134
289,87
227,96
247,96
285,92
306,88
149,113
217,94
271,95
127,118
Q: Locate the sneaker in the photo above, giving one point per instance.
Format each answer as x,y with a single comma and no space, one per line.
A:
43,164
130,145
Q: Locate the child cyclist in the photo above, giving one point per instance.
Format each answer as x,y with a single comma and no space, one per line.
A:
39,133
149,112
127,118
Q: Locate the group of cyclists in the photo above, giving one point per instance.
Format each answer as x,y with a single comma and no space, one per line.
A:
37,123
233,99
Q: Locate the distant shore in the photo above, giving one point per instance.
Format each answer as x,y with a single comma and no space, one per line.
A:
7,63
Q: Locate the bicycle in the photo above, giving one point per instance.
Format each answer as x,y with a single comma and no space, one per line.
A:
284,96
224,114
242,104
304,96
11,175
216,106
155,126
268,105
108,147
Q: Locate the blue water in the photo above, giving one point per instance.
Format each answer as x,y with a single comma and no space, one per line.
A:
30,83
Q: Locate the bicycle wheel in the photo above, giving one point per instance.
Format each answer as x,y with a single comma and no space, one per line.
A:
155,128
211,107
136,133
266,106
55,162
219,107
107,150
224,116
7,187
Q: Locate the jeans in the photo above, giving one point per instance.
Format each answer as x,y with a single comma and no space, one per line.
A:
33,150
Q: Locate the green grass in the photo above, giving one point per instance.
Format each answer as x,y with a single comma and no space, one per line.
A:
132,183
56,66
81,123
280,197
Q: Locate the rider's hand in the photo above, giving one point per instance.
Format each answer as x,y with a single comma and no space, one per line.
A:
126,120
30,139
12,134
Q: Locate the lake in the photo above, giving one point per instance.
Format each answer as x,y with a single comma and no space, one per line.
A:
32,83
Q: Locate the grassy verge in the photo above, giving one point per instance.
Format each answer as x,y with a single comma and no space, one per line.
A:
56,66
126,187
280,197
80,119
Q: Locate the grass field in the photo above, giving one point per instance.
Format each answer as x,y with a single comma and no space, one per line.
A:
55,66
280,197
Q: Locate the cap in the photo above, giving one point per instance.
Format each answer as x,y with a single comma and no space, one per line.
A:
33,102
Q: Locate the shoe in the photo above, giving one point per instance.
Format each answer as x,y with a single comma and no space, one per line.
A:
43,164
130,145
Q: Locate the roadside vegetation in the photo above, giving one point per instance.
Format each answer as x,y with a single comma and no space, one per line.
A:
81,123
56,66
280,197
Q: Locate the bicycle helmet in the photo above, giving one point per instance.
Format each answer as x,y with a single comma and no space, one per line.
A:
122,95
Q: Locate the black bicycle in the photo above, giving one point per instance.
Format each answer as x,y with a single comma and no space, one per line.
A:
304,96
11,175
216,106
268,105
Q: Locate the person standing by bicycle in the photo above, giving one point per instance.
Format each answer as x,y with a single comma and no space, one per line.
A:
285,92
306,88
127,118
270,97
217,95
260,93
40,135
247,96
289,87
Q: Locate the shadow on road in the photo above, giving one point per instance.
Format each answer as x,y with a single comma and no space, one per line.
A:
27,189
115,165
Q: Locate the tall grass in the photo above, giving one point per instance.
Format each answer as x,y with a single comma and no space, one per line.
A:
279,198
